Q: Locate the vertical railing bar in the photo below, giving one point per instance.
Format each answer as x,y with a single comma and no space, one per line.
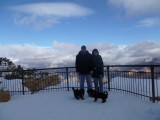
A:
150,85
130,83
148,78
67,79
111,80
126,78
141,85
23,82
144,80
135,82
108,74
121,82
126,82
116,84
156,86
153,83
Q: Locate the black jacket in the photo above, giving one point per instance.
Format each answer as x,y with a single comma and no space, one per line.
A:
84,62
98,67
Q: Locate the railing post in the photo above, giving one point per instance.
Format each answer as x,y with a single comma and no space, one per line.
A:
23,82
108,77
153,85
67,78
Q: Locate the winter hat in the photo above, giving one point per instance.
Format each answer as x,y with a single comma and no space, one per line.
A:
95,50
83,47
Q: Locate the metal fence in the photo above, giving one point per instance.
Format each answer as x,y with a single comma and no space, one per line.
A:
129,79
133,80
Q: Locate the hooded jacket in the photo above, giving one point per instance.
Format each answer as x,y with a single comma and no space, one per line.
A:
98,70
84,62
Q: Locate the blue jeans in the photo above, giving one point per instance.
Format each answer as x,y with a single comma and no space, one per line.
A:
98,83
82,78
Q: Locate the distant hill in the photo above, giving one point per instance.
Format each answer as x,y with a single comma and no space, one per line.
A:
149,61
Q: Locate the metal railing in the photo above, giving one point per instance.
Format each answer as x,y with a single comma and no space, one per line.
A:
122,78
145,85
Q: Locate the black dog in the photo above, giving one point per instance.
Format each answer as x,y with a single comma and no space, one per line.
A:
103,96
96,95
78,93
91,92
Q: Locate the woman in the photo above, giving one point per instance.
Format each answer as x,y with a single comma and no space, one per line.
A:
98,71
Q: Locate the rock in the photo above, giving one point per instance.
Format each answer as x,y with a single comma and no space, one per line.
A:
4,95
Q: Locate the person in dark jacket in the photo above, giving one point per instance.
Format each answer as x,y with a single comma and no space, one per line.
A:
98,72
84,67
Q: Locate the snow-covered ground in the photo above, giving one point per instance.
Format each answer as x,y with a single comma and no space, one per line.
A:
62,105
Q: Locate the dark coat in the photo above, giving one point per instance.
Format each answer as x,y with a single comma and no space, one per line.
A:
98,67
84,62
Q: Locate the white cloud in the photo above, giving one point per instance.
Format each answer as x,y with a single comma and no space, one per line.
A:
55,9
137,7
149,22
63,54
34,21
44,15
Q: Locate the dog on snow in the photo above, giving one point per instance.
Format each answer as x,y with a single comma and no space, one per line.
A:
78,93
96,95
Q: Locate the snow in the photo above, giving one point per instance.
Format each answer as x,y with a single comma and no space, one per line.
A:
61,105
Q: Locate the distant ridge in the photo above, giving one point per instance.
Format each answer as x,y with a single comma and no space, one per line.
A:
148,61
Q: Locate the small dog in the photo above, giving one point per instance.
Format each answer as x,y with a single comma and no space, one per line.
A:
103,96
78,93
96,95
91,92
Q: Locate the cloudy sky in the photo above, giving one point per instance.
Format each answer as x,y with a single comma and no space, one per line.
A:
49,33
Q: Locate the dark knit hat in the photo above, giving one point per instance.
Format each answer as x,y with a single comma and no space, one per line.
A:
95,50
83,47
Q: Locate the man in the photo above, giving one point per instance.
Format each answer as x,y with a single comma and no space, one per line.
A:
84,67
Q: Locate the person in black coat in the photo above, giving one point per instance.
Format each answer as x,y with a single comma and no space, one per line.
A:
84,67
98,72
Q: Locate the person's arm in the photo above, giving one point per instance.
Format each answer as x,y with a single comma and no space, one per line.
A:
102,65
92,64
101,61
76,64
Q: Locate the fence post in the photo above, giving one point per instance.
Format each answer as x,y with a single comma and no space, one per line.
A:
153,85
23,82
108,77
67,78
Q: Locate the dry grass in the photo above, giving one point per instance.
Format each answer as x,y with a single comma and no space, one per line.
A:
37,84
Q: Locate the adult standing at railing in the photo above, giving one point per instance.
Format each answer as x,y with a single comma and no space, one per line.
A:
98,72
84,67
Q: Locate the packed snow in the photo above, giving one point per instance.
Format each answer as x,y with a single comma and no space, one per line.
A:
62,105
